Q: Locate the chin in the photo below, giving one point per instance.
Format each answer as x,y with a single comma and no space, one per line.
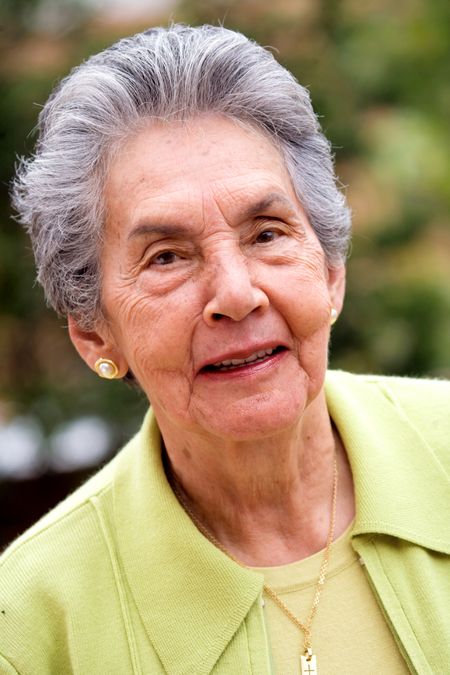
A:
255,417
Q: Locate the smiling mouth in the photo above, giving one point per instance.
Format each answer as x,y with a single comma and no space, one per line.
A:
233,364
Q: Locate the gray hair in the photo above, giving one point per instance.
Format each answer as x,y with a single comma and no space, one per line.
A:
163,73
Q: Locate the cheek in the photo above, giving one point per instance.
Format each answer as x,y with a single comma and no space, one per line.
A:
304,301
153,334
169,392
305,304
300,288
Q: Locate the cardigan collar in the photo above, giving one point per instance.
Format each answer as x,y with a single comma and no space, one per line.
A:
401,489
178,578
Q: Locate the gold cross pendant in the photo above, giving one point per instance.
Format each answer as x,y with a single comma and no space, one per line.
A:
308,663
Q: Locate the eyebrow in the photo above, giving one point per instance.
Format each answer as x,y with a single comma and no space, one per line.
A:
265,203
178,231
162,230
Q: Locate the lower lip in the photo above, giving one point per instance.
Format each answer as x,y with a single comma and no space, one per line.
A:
249,369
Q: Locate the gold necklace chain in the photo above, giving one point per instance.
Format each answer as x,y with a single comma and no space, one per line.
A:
308,659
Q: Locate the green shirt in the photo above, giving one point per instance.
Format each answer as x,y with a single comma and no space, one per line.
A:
118,580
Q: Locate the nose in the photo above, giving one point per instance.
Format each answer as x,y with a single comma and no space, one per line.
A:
233,294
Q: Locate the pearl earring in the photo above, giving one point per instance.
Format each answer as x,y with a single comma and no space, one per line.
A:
106,368
333,315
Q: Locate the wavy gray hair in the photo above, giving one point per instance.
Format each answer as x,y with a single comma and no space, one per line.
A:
165,73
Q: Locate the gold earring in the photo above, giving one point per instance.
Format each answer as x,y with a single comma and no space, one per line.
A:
106,368
333,315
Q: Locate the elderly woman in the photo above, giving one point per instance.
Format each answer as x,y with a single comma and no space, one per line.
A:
268,517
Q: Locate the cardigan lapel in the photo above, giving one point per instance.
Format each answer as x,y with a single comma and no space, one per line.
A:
401,488
191,597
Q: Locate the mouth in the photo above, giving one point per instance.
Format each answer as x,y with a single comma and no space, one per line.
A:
255,358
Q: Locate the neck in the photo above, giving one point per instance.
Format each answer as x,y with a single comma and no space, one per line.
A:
267,501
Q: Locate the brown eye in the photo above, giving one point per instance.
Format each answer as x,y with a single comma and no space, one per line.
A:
266,236
164,258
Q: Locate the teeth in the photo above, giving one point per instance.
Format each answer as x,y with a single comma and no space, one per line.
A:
238,362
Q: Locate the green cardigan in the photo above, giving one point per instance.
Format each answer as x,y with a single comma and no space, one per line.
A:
117,579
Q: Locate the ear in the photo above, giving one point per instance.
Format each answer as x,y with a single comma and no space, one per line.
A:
336,286
95,344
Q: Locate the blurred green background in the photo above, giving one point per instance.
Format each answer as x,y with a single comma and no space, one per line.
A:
379,76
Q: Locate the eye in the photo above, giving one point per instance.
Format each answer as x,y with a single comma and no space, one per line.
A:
266,236
165,258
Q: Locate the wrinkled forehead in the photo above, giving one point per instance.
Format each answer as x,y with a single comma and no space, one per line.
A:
174,169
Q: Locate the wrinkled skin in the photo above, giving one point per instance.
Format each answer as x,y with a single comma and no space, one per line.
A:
209,255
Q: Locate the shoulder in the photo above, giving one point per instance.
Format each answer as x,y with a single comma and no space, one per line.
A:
62,517
53,566
422,400
432,396
423,403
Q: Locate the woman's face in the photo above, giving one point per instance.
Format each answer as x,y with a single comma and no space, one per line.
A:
209,260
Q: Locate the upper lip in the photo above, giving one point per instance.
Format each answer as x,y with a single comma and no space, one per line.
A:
242,353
